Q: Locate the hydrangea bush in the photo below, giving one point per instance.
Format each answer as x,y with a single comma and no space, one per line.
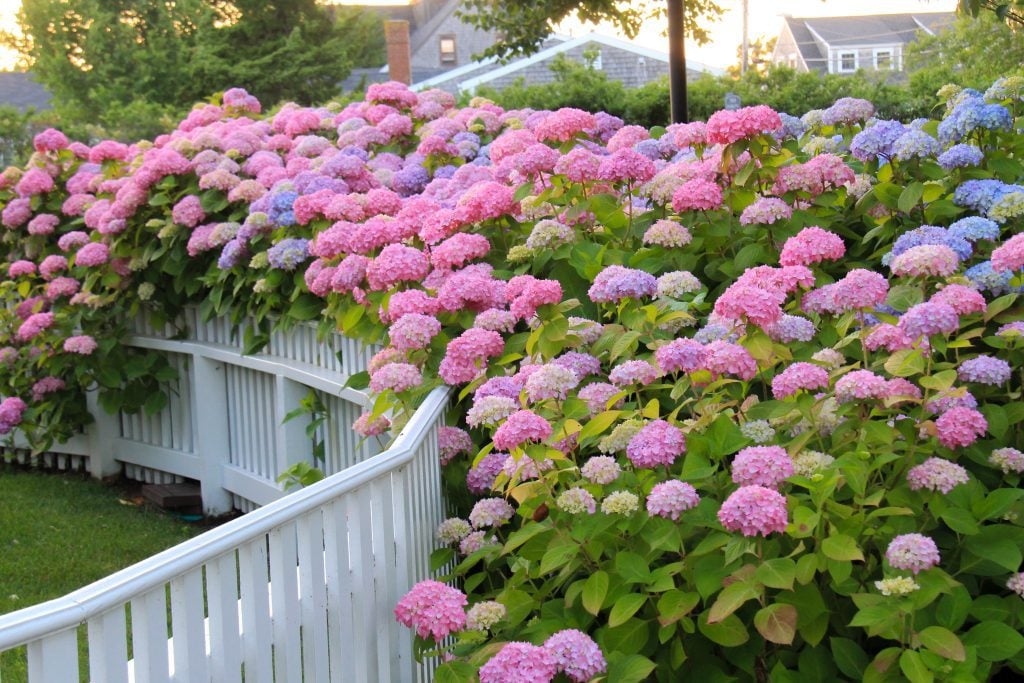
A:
734,400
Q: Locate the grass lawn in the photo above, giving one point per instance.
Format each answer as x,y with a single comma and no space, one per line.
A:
59,533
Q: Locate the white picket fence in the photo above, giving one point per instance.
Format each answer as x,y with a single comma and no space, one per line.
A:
223,425
302,589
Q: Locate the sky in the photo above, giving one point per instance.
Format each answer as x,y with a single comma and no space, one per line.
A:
765,19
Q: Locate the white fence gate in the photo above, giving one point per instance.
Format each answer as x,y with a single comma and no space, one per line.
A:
303,588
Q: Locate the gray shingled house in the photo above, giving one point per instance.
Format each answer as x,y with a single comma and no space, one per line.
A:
631,64
442,49
842,45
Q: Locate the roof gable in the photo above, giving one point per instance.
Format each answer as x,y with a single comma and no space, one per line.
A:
878,29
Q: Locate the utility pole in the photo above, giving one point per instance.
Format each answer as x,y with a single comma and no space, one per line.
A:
677,60
746,39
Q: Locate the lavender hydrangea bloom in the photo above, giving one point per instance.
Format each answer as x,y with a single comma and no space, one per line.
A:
288,253
985,278
280,210
877,140
979,195
410,180
985,370
792,127
231,255
915,144
960,156
970,114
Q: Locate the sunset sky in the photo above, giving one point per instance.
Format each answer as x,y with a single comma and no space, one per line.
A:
765,18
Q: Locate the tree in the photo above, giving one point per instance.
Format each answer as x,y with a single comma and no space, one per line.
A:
972,53
759,52
1009,11
132,65
525,24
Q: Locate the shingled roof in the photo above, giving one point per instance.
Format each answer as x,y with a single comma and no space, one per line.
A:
19,89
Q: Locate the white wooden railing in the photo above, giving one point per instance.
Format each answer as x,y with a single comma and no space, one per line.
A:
223,425
299,590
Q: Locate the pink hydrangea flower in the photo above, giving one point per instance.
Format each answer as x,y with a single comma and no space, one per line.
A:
658,443
576,655
11,410
396,377
490,512
936,474
92,254
725,126
81,344
50,140
860,385
616,282
1010,255
812,245
33,325
519,662
413,331
888,337
960,427
564,124
912,552
680,355
860,288
366,425
452,441
21,267
739,302
521,427
799,376
458,250
726,358
671,498
666,233
432,609
936,260
633,372
963,299
766,211
396,263
754,510
766,466
697,194
928,318
467,354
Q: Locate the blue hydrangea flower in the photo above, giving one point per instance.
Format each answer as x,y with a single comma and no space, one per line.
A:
231,255
960,156
978,195
877,140
288,253
974,228
915,144
985,278
410,180
792,127
970,114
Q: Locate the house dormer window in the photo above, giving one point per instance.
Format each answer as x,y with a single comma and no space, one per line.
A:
884,59
447,45
847,61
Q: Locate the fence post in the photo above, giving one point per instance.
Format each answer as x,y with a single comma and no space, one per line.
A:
101,435
210,420
292,445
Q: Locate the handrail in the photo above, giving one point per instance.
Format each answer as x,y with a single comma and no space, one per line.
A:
73,609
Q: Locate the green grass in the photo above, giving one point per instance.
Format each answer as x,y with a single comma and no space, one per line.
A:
59,533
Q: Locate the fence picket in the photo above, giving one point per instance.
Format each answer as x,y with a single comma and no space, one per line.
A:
108,647
257,636
149,636
284,593
188,628
54,657
225,640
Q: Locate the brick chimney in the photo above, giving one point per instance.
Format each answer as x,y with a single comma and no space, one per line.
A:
396,34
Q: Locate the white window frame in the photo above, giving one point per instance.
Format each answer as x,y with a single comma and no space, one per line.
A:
453,55
839,61
882,51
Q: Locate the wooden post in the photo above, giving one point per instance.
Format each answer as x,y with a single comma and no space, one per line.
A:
396,35
677,59
212,444
101,435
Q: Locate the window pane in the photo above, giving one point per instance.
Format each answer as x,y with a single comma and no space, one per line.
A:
848,61
883,60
